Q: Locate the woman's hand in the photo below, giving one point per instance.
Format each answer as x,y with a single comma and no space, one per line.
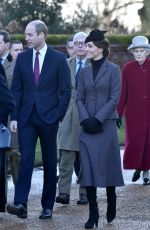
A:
92,125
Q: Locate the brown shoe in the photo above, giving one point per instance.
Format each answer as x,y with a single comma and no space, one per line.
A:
63,198
82,199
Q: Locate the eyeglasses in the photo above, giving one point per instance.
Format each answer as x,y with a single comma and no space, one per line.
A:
79,43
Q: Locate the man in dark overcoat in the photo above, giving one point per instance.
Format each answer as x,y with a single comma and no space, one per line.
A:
8,64
6,106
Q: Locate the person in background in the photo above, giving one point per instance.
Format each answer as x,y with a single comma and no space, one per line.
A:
41,88
16,47
134,104
71,53
69,128
8,64
5,57
69,47
98,93
7,105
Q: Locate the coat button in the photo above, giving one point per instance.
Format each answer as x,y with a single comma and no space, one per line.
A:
145,97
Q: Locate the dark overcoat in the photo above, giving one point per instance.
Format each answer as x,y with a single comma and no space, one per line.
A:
7,105
135,105
100,154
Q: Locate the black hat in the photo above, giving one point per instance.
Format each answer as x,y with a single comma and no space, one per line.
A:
95,35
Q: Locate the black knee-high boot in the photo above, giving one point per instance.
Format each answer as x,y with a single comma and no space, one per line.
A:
111,201
93,208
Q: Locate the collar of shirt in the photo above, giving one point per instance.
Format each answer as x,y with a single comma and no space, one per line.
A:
42,53
77,63
4,58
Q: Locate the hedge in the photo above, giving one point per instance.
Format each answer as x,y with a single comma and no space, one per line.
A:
60,39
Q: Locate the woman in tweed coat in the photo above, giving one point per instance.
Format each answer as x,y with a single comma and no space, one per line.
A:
98,94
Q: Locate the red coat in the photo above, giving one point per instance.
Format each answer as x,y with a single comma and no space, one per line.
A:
135,104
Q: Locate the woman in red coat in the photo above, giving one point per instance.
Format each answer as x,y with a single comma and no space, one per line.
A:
135,104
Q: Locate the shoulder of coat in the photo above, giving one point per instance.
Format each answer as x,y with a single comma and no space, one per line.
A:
130,64
111,64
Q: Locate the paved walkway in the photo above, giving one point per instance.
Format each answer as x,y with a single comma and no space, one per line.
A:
133,209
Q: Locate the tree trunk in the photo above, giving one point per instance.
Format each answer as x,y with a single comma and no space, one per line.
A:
144,14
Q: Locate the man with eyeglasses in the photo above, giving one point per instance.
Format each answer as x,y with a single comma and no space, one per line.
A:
69,129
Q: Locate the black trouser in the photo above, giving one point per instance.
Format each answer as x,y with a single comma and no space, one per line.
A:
28,135
3,194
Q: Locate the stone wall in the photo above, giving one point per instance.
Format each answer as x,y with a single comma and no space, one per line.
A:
118,54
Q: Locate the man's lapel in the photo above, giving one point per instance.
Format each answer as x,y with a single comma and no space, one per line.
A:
45,66
8,61
29,64
72,66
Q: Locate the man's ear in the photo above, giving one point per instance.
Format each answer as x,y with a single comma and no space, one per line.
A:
42,35
8,44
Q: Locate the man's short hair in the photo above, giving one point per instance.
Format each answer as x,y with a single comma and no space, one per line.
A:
79,35
6,36
15,42
40,27
70,39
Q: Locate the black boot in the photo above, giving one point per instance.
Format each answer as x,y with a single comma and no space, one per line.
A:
93,208
111,201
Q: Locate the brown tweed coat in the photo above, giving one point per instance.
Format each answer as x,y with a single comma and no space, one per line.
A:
69,128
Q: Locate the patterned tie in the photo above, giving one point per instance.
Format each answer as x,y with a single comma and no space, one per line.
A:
79,70
36,68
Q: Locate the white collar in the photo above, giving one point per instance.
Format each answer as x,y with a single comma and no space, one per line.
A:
83,60
41,51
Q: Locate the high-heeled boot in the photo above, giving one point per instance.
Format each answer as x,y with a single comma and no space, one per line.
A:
111,201
93,208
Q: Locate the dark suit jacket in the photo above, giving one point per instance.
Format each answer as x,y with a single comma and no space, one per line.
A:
7,103
52,94
2,70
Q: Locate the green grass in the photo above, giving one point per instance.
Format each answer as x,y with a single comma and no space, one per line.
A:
38,158
121,133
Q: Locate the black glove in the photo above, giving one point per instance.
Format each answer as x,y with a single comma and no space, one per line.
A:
119,122
92,125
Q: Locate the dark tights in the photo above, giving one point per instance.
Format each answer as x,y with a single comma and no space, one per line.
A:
91,191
